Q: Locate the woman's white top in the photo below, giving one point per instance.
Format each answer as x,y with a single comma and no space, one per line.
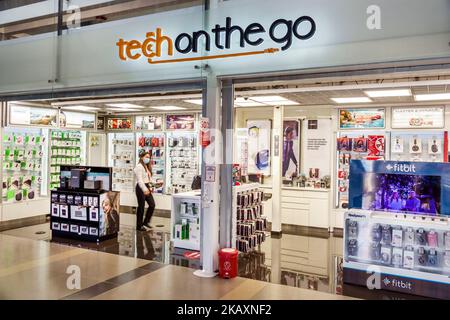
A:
142,177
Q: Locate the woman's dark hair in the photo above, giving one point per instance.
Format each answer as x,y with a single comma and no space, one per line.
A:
142,154
288,130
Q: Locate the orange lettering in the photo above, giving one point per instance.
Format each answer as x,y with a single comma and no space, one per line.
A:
121,44
133,45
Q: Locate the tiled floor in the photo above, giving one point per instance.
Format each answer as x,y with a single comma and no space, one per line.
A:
300,261
34,269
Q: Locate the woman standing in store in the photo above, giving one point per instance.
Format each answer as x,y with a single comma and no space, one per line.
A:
143,172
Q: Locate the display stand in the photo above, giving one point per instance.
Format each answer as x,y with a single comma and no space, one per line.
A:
248,222
397,232
85,214
185,220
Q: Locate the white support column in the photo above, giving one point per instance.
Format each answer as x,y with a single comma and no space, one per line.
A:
211,160
277,158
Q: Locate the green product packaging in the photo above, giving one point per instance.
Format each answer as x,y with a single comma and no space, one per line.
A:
10,195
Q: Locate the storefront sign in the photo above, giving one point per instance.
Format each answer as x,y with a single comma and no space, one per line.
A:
180,122
122,123
76,120
35,116
159,48
362,118
412,118
152,122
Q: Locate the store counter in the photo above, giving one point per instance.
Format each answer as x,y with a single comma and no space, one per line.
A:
308,207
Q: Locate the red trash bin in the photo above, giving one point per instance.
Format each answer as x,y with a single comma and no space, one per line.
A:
228,263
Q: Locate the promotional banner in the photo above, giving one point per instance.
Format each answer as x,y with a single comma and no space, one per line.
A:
180,122
259,132
291,148
24,115
152,122
412,187
362,118
412,118
317,152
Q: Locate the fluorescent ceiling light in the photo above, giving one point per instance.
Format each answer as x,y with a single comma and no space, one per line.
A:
168,108
432,96
195,101
125,106
81,108
122,110
274,100
241,102
352,100
388,93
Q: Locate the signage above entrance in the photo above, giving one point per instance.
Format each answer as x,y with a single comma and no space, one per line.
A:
159,48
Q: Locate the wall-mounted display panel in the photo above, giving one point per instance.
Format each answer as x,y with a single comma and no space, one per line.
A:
21,115
370,118
418,118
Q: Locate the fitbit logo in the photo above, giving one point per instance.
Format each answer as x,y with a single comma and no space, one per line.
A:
405,168
397,284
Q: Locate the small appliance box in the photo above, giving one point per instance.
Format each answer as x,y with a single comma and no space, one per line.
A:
77,178
93,184
194,231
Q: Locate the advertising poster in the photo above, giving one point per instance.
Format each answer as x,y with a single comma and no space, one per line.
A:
23,115
317,152
152,122
411,118
100,123
291,148
109,213
259,132
76,120
119,123
180,122
362,118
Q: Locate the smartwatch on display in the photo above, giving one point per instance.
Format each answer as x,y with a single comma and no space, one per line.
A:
421,237
422,258
376,233
386,234
352,247
432,258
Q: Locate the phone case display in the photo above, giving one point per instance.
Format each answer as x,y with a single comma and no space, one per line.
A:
183,160
249,223
24,163
423,147
155,145
185,220
403,246
86,215
67,148
122,159
355,146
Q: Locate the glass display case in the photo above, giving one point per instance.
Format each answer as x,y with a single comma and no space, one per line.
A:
25,161
121,157
154,143
355,146
67,147
183,160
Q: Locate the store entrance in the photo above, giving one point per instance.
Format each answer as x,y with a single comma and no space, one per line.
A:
43,140
294,142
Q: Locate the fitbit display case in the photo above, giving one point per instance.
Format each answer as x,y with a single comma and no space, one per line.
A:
397,231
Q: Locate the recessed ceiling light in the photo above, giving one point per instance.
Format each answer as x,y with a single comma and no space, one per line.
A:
195,101
388,93
432,96
80,108
352,100
168,108
125,106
